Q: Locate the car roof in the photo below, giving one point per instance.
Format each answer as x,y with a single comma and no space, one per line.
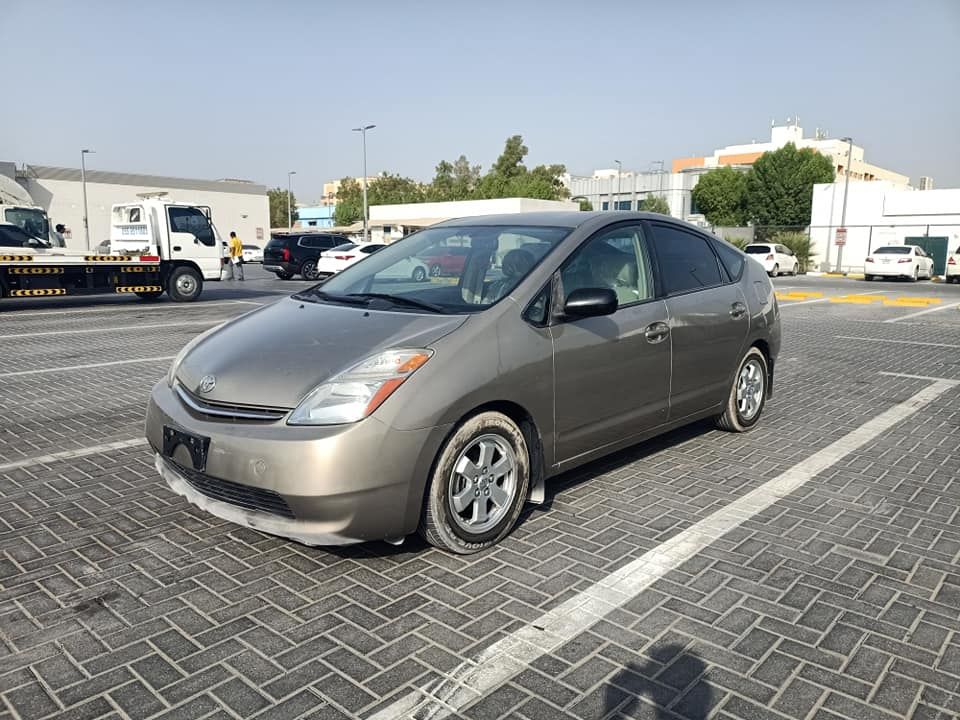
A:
567,219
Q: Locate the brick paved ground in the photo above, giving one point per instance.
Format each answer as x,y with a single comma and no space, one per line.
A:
842,600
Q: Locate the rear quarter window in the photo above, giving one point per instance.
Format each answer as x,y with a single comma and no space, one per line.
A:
731,258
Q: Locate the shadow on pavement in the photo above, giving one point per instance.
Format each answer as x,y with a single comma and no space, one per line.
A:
646,689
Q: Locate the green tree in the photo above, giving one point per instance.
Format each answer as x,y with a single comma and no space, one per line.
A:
585,205
277,198
780,185
509,177
454,181
392,189
349,207
655,204
721,195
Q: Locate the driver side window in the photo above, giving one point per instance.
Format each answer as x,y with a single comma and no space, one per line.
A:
193,221
615,259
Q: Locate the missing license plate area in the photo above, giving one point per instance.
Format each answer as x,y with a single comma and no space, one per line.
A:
196,445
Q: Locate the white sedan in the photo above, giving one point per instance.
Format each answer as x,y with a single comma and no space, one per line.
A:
343,256
252,254
906,261
953,267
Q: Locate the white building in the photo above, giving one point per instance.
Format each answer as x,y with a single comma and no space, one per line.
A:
880,213
835,148
612,190
236,205
391,222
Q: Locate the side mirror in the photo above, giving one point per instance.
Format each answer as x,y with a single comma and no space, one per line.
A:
590,302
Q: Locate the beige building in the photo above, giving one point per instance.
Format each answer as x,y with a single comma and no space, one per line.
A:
330,190
834,148
235,205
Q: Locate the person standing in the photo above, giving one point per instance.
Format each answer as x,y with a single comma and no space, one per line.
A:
58,239
236,257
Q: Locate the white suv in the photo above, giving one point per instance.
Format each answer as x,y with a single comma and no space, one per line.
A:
776,259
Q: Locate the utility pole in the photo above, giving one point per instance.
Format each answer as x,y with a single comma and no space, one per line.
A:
843,212
289,212
619,176
366,217
83,182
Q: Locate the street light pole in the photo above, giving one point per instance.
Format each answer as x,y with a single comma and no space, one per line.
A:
366,217
619,176
843,211
289,212
659,176
83,182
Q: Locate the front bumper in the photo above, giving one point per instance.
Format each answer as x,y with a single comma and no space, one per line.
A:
336,484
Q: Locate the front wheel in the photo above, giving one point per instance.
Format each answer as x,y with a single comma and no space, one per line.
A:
478,486
748,395
184,284
309,270
419,274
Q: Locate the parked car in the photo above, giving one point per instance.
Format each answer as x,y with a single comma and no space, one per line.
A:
952,274
252,254
906,261
446,260
365,409
289,254
776,259
333,261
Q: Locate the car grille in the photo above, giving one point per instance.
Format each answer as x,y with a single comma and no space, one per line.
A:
228,411
245,496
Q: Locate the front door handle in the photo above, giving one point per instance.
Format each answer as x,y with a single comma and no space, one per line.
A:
738,310
657,332
176,248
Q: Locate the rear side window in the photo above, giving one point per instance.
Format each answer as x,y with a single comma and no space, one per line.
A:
731,258
277,241
686,261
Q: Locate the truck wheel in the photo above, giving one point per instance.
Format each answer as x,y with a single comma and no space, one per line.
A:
184,285
150,295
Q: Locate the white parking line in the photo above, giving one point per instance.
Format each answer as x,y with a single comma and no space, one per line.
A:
916,377
921,312
112,329
68,368
71,454
472,680
898,342
128,308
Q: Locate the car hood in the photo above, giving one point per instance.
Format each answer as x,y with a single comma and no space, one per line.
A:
273,357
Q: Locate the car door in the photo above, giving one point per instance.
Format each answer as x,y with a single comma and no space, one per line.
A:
708,319
611,373
192,238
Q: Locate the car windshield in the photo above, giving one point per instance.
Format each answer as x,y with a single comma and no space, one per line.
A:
893,250
757,249
484,263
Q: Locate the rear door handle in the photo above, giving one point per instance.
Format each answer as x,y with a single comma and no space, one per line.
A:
738,310
656,333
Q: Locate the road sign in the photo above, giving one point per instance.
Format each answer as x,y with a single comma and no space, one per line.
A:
841,238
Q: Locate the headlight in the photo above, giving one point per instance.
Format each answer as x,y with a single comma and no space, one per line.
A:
357,392
175,365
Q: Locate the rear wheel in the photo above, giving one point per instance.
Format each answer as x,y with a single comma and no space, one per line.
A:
748,395
916,273
184,284
775,272
419,274
309,270
796,270
435,270
284,275
478,486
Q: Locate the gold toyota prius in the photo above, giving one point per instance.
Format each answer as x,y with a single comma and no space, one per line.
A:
373,406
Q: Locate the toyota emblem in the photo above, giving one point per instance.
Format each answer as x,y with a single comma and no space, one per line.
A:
207,383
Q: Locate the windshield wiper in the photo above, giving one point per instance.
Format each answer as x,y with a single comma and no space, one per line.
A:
319,294
400,300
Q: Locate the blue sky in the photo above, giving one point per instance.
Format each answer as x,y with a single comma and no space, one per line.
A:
253,89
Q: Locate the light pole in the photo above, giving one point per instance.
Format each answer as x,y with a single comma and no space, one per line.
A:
619,175
83,183
843,212
289,212
363,135
659,176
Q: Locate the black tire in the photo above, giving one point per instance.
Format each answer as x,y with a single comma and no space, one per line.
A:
796,270
435,270
775,272
150,295
309,270
419,274
284,275
916,274
184,284
437,524
731,419
868,278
